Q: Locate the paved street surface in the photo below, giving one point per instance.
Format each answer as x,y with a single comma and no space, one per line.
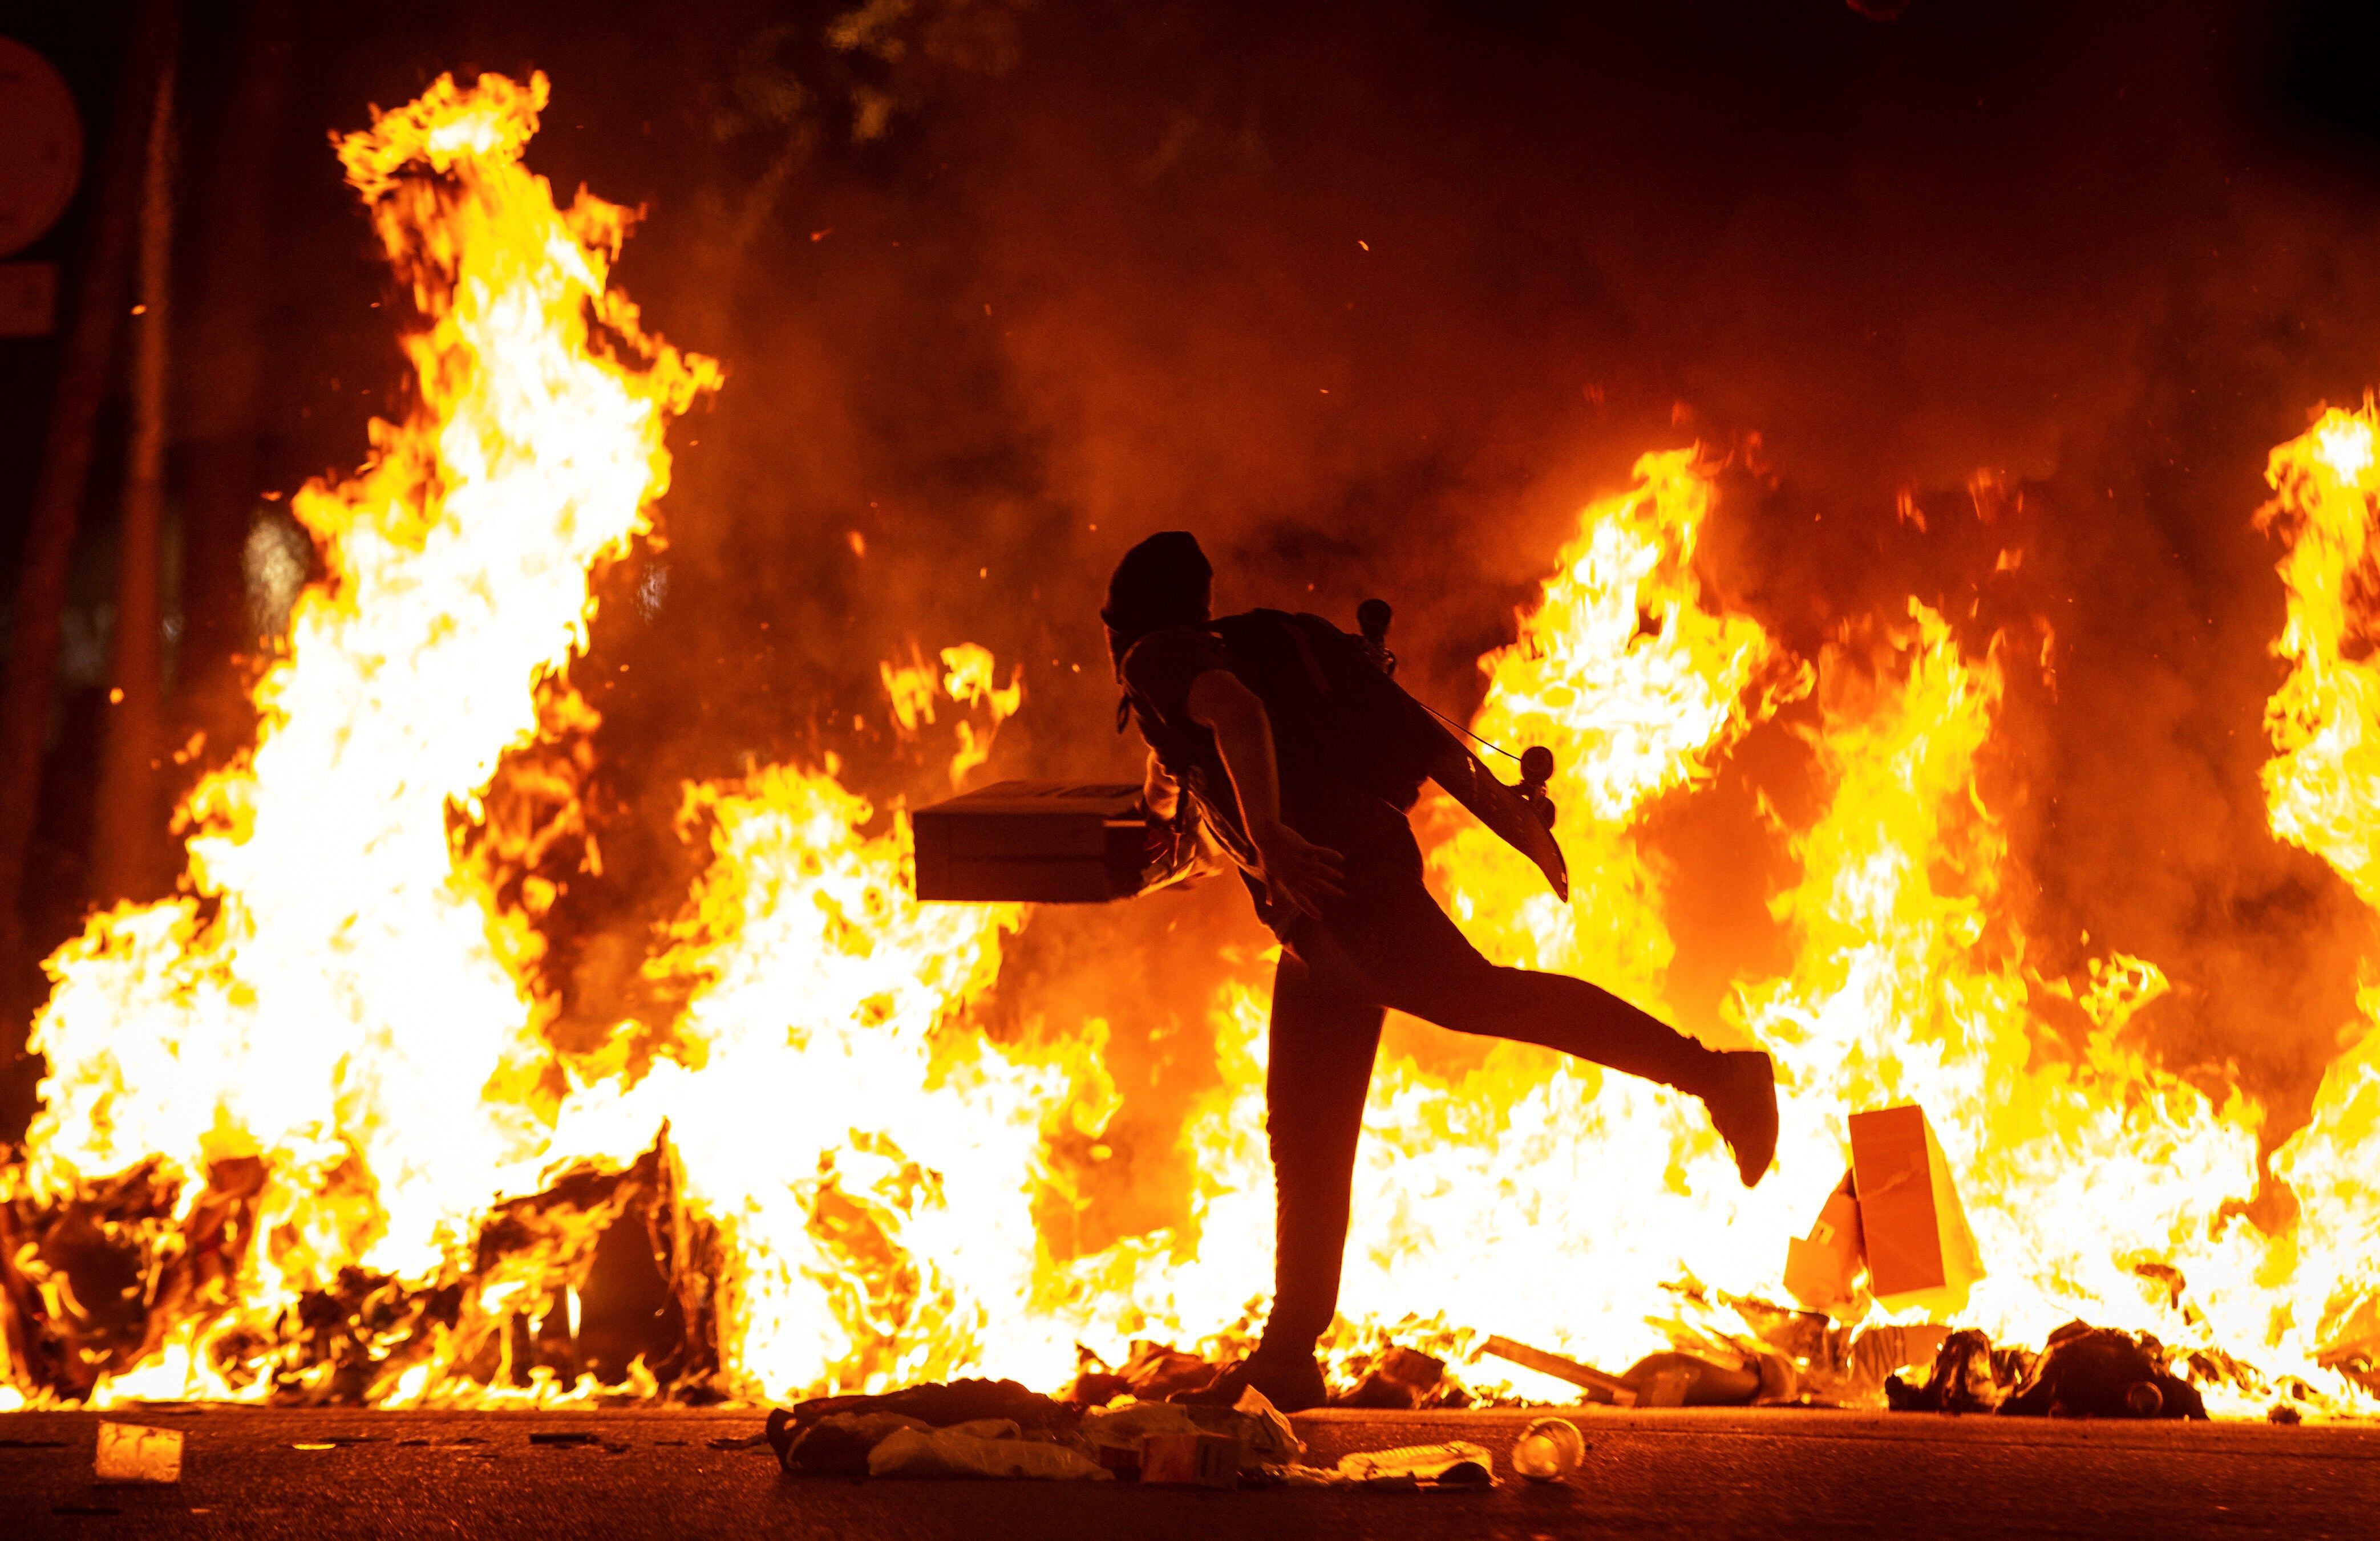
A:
1703,1473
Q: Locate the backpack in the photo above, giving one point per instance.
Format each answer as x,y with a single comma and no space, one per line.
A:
1331,702
1336,713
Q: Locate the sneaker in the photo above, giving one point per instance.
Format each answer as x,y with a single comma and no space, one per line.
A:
1292,1384
1742,1104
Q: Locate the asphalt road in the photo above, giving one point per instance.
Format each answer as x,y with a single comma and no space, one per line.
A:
1704,1472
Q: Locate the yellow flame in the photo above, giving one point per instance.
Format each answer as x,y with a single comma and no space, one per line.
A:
330,994
881,1176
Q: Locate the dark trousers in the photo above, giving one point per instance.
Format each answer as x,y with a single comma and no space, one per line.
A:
1389,945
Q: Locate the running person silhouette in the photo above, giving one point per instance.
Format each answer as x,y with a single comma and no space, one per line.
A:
1301,772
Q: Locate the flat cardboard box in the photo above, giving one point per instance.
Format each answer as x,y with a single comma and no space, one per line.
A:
1920,1251
1044,843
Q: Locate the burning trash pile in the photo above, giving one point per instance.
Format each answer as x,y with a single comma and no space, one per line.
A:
311,1132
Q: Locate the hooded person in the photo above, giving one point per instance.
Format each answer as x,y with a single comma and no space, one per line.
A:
1308,798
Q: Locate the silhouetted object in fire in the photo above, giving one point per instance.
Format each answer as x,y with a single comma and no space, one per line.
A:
2083,1372
1287,742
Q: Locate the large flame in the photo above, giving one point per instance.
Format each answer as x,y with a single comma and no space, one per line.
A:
309,1107
333,994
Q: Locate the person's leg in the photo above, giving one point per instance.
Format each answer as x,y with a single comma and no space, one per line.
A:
1419,962
1325,1035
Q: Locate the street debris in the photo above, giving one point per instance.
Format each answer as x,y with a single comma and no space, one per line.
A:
1400,1377
1609,1390
903,1434
1549,1450
1822,1269
1456,1464
1674,1379
1190,1458
981,1447
128,1452
2083,1372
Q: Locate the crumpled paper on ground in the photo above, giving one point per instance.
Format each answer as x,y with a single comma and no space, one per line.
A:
128,1452
986,1448
1265,1437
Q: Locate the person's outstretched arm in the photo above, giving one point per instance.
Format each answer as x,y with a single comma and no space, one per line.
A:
1297,871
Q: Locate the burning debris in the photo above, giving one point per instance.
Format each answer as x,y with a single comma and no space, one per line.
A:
2083,1372
312,1131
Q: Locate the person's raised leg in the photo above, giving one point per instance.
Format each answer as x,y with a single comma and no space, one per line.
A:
1325,1035
1420,963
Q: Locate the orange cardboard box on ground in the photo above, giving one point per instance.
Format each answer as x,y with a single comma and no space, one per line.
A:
1920,1251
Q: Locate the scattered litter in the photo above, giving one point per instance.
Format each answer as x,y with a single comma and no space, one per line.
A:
127,1453
1673,1380
1189,1458
1969,1376
749,1442
983,1447
1267,1436
1549,1450
314,1445
1402,1377
1153,1372
2083,1372
1115,1434
1608,1388
1822,1269
1456,1464
839,1444
2097,1372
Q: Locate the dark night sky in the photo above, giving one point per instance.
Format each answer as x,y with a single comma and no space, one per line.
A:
1101,268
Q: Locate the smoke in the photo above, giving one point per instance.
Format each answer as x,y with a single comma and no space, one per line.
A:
1375,297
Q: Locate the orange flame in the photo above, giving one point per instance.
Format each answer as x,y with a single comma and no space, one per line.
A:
338,1011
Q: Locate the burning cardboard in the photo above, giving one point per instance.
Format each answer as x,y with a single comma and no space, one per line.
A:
1920,1252
1598,1387
1822,1269
1897,1214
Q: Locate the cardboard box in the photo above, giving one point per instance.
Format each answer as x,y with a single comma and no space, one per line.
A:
1045,843
1920,1251
1190,1460
1822,1269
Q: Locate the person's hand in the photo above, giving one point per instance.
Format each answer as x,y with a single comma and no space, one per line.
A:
1296,871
